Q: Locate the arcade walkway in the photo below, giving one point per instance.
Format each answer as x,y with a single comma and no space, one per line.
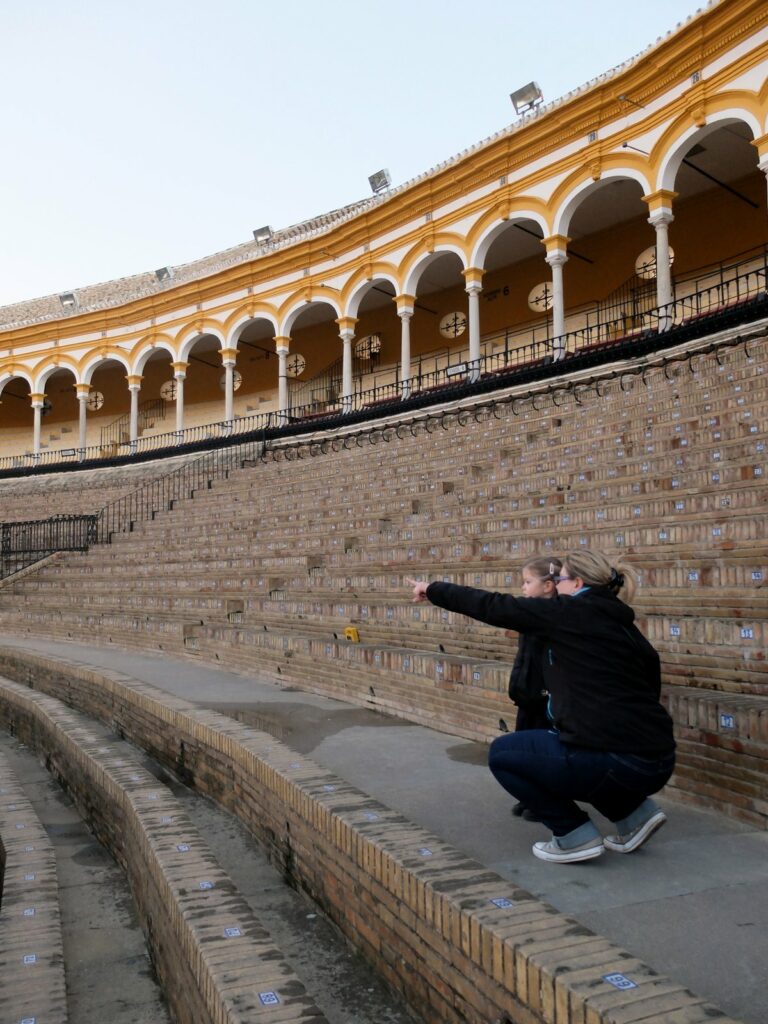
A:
693,904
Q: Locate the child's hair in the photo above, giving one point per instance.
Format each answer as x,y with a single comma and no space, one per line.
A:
544,567
597,571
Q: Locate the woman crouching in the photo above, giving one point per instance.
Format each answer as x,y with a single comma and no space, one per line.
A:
611,742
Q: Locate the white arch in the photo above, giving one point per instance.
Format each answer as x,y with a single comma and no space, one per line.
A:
6,378
239,326
45,375
414,272
97,360
672,160
357,296
298,308
190,343
497,228
140,359
564,213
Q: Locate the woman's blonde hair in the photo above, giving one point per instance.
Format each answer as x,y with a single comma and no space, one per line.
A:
543,567
597,571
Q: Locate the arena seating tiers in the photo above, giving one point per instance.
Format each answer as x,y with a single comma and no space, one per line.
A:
662,463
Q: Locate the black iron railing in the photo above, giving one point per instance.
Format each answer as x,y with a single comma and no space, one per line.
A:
23,544
163,493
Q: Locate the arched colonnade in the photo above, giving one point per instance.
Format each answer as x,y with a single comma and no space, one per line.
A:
655,177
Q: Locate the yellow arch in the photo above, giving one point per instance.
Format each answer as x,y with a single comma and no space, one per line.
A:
505,209
585,174
54,362
250,310
737,101
101,354
368,272
154,340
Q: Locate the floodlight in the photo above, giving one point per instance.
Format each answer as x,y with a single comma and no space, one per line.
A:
263,235
526,98
164,274
68,300
379,181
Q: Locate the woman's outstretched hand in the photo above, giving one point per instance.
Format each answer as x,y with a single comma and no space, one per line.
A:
419,589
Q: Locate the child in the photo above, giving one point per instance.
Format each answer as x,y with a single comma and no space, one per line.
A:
526,681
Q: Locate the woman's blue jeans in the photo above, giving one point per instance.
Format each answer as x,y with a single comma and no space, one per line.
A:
548,776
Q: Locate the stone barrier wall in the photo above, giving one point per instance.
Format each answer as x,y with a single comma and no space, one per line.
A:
214,960
32,983
461,943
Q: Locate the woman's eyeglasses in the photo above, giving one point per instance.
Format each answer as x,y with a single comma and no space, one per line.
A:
561,579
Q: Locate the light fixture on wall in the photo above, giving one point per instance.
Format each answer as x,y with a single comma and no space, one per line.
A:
379,181
68,300
526,98
263,235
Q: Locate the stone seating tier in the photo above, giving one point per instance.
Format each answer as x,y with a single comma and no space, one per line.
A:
265,570
214,959
32,981
460,942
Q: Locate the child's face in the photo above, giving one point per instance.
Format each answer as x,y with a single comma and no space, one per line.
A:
534,587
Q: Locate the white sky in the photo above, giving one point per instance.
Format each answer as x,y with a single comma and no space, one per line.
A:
155,132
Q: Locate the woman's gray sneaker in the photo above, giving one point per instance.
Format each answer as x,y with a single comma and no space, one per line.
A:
634,840
554,852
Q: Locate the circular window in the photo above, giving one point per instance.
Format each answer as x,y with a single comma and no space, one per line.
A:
368,347
237,380
95,400
168,391
452,325
645,264
540,297
295,365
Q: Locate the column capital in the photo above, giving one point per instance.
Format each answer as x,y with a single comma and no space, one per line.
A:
37,399
228,356
660,203
180,370
761,145
405,304
347,325
556,258
82,390
555,244
473,276
282,345
134,381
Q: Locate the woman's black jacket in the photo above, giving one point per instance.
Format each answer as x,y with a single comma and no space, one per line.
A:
603,676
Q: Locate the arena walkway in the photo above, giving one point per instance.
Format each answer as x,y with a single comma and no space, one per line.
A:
693,904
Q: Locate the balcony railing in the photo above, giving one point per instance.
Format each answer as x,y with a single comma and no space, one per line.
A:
739,288
23,544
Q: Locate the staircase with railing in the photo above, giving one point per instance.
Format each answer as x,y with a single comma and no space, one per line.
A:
118,431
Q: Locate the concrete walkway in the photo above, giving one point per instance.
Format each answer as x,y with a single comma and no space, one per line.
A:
693,904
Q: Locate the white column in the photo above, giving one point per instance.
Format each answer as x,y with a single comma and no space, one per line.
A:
282,346
179,375
473,292
83,391
134,386
557,258
228,357
347,326
405,352
661,219
347,335
37,409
